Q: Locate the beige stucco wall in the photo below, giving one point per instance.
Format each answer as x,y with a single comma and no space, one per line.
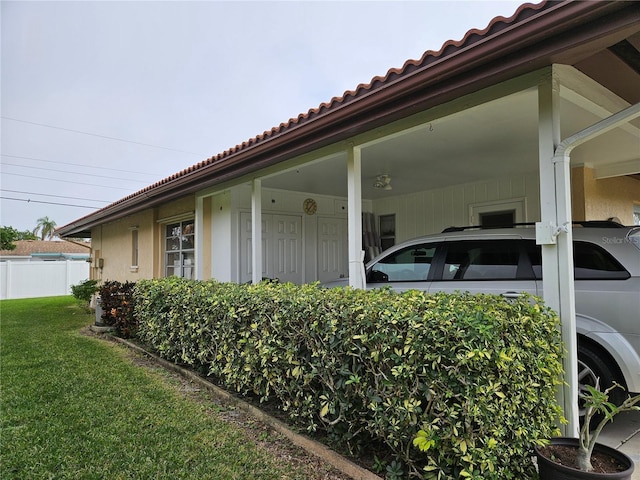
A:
112,242
600,199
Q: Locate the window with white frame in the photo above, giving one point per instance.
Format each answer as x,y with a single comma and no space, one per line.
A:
179,249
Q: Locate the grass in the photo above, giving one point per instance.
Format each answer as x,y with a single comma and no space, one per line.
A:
73,406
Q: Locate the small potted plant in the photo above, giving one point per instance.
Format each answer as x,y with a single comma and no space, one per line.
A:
575,458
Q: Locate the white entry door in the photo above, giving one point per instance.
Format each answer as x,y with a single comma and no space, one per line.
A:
333,259
281,247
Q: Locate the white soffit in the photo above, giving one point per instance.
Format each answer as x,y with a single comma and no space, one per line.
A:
618,169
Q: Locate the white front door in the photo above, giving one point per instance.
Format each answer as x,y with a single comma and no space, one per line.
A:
281,247
333,260
285,260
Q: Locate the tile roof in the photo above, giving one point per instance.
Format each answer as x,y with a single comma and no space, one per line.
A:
534,36
394,74
25,248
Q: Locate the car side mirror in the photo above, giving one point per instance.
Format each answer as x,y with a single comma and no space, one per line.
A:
377,276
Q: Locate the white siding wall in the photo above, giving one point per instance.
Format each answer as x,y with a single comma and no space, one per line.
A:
40,279
431,211
290,202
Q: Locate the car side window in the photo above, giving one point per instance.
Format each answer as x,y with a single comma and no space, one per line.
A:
482,260
590,262
410,264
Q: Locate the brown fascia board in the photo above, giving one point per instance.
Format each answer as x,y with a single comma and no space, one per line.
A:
556,33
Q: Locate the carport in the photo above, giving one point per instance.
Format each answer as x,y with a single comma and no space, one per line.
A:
480,115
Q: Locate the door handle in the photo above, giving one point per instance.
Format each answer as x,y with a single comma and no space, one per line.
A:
511,294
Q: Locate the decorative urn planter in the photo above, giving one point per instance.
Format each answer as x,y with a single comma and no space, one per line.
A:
620,464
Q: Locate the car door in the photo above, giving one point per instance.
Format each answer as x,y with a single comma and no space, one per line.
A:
406,269
492,266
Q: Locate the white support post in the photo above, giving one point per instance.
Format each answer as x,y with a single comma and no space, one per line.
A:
554,232
354,209
198,247
557,249
256,231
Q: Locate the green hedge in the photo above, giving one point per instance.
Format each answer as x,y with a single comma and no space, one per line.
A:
451,386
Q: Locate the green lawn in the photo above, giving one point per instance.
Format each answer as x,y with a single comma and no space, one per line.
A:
74,406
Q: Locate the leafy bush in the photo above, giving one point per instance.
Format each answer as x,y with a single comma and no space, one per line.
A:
84,290
117,303
453,386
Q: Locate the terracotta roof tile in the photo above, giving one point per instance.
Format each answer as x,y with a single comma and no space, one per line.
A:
25,248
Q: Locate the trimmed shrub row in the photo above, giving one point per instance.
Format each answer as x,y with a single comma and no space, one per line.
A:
451,386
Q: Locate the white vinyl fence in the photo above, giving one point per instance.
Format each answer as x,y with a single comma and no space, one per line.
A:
40,278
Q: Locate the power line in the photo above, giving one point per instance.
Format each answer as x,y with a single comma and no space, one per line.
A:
56,196
100,136
67,181
78,165
72,173
48,203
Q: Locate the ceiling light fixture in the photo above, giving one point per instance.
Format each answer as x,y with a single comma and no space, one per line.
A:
383,182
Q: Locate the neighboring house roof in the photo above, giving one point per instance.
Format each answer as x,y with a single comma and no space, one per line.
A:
535,36
27,248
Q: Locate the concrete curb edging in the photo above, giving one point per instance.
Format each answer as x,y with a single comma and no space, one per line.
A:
310,446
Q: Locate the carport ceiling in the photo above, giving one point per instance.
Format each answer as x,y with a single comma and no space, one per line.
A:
495,139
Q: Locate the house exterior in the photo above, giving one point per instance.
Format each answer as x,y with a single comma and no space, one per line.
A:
531,119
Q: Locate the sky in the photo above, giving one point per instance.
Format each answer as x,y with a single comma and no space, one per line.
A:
100,99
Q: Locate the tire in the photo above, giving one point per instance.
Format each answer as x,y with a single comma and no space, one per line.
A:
591,366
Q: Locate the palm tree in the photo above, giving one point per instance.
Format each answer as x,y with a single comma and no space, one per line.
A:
46,227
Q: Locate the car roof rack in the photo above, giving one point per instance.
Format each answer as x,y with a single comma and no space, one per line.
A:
582,223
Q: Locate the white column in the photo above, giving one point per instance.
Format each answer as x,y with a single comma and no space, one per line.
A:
354,209
555,235
198,247
256,231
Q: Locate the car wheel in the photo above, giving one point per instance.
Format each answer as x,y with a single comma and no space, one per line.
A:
591,367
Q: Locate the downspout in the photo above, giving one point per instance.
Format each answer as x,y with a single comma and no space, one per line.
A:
549,234
563,151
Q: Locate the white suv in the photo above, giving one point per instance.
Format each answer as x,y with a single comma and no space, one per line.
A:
507,261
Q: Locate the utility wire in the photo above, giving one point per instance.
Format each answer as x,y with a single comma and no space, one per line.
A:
47,203
56,196
73,173
101,136
79,165
67,181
